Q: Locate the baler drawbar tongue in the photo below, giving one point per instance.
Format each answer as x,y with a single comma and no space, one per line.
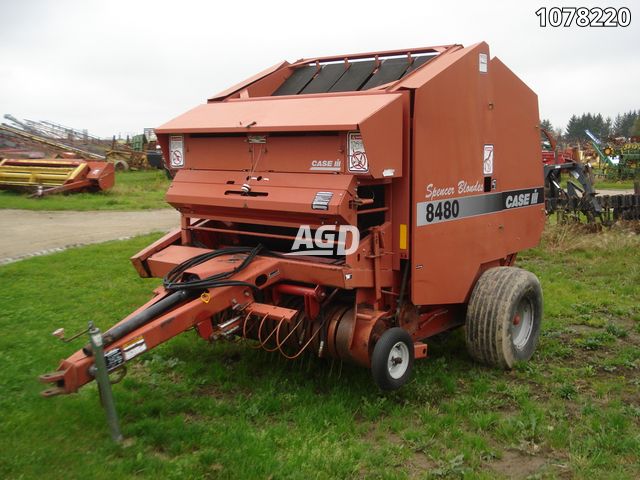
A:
183,303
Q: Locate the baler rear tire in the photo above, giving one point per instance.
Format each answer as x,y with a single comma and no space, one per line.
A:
393,341
504,317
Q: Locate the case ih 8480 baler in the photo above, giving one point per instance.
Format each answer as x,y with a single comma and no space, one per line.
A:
350,206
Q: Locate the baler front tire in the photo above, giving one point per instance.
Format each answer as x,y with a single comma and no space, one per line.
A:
392,359
504,317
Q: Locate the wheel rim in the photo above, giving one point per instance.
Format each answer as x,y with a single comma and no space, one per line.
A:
522,324
398,361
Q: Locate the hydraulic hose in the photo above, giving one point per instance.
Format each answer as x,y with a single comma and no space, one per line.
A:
182,289
119,331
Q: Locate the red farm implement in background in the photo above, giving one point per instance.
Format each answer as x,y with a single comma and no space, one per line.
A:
47,176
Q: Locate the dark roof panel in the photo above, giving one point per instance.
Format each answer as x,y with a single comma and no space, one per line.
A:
357,74
296,82
325,79
349,77
418,62
391,70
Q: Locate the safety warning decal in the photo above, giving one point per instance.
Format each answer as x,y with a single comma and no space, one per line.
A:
176,151
358,162
487,160
113,359
483,62
133,348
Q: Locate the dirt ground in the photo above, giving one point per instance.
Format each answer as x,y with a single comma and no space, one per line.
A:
27,233
615,192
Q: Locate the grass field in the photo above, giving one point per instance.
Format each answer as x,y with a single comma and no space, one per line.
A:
607,185
193,410
141,190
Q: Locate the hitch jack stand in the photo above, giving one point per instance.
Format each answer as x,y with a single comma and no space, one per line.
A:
99,370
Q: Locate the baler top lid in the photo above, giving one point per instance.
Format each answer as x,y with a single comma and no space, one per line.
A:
275,114
340,73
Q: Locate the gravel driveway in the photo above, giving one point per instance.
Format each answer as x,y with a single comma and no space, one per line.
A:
27,233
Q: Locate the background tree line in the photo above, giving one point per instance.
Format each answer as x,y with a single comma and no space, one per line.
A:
624,125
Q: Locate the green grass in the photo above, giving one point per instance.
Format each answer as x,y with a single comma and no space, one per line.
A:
193,410
139,190
609,185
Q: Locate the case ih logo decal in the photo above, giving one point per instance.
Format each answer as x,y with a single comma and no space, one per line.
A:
521,199
358,162
326,165
470,206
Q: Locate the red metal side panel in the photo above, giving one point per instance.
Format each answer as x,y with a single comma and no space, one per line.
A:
516,106
288,153
383,135
285,196
458,111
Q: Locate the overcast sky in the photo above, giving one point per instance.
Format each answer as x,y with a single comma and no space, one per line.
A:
119,66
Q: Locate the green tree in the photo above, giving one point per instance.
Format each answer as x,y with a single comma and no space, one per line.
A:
574,129
624,122
634,131
595,123
546,124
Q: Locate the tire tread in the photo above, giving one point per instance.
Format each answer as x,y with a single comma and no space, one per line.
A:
491,301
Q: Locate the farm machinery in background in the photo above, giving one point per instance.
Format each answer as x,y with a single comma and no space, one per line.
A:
45,157
579,195
77,169
619,159
50,139
576,197
47,176
136,152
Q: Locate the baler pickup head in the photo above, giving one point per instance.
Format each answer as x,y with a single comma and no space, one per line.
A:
47,176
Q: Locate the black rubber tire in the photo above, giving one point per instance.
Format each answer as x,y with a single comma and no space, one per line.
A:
380,357
121,166
492,310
